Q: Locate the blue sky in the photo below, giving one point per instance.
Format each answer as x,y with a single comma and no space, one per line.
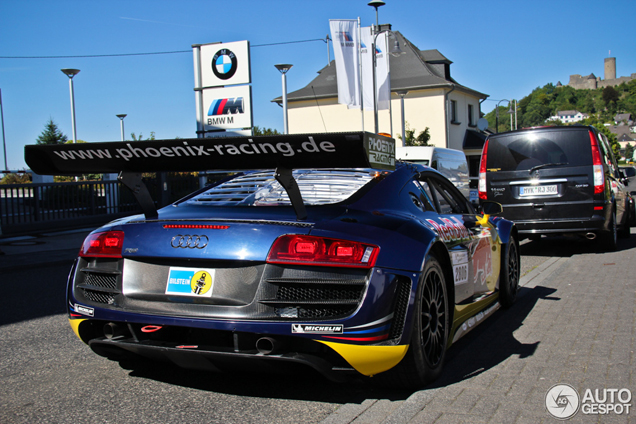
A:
502,48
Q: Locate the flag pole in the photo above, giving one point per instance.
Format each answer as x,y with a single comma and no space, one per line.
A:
360,72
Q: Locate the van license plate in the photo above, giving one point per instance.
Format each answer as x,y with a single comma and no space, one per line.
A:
547,190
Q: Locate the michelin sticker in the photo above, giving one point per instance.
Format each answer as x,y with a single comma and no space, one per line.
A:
317,329
84,310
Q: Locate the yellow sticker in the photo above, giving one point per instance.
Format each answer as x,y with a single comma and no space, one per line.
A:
201,282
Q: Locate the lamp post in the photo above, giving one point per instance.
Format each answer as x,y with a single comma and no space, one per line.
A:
510,111
4,143
284,68
375,4
403,93
70,73
121,117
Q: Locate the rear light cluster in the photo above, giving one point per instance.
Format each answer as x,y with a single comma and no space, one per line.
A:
311,250
482,172
599,178
103,245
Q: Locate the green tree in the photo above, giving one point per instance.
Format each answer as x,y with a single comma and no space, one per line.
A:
19,178
51,134
141,137
629,151
412,140
256,130
611,97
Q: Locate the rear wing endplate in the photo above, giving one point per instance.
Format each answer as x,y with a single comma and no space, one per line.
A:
280,152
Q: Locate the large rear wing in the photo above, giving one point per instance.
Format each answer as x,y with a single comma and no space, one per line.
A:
280,152
328,150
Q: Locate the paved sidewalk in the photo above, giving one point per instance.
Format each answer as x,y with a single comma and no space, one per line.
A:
574,323
41,249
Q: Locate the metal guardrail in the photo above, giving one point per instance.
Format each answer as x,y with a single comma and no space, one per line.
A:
28,208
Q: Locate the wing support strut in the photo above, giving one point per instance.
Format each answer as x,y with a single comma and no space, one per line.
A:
285,178
132,180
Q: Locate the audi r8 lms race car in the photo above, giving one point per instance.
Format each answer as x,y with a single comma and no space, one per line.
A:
326,253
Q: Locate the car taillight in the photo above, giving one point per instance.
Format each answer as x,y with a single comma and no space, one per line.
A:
599,178
482,172
311,250
103,245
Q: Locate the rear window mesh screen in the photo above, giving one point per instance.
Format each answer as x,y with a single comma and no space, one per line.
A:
317,187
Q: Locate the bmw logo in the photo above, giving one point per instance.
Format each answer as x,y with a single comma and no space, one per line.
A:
224,64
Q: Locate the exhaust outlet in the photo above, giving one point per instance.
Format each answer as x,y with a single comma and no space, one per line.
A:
267,346
113,331
590,236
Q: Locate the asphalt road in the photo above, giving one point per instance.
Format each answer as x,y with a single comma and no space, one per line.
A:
48,376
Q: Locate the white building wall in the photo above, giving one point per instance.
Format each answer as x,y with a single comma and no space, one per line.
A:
422,108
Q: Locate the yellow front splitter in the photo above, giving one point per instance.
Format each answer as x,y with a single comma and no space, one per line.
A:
369,360
75,323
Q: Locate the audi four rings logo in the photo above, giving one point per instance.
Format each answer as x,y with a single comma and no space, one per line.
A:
189,242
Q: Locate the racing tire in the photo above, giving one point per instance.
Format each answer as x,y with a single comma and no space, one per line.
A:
425,357
509,274
609,238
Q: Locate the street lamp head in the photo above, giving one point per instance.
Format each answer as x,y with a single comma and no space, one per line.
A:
70,72
376,4
402,93
121,115
283,67
396,50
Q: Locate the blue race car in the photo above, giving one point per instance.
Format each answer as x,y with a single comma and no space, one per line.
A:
338,259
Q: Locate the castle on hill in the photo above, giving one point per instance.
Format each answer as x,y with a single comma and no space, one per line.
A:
591,81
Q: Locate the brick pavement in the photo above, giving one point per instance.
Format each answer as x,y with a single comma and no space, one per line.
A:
574,323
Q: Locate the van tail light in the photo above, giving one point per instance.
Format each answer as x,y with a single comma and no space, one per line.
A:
482,172
103,245
311,250
599,178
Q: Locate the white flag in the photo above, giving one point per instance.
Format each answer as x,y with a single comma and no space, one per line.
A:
345,48
383,86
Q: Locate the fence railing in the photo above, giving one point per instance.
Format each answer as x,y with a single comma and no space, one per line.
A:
27,208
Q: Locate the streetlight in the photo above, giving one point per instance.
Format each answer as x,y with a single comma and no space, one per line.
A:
395,51
70,73
510,111
402,93
121,117
284,68
376,4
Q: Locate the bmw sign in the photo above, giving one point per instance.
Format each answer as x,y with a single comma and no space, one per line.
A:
224,64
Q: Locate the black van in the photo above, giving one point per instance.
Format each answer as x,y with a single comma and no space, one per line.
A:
557,180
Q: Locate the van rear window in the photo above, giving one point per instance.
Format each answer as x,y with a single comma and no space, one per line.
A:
518,152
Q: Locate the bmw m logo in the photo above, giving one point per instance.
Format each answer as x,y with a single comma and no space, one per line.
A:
226,106
224,64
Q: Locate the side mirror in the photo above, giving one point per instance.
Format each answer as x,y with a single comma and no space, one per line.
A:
489,207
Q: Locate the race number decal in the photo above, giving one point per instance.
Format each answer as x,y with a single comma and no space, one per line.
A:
460,267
